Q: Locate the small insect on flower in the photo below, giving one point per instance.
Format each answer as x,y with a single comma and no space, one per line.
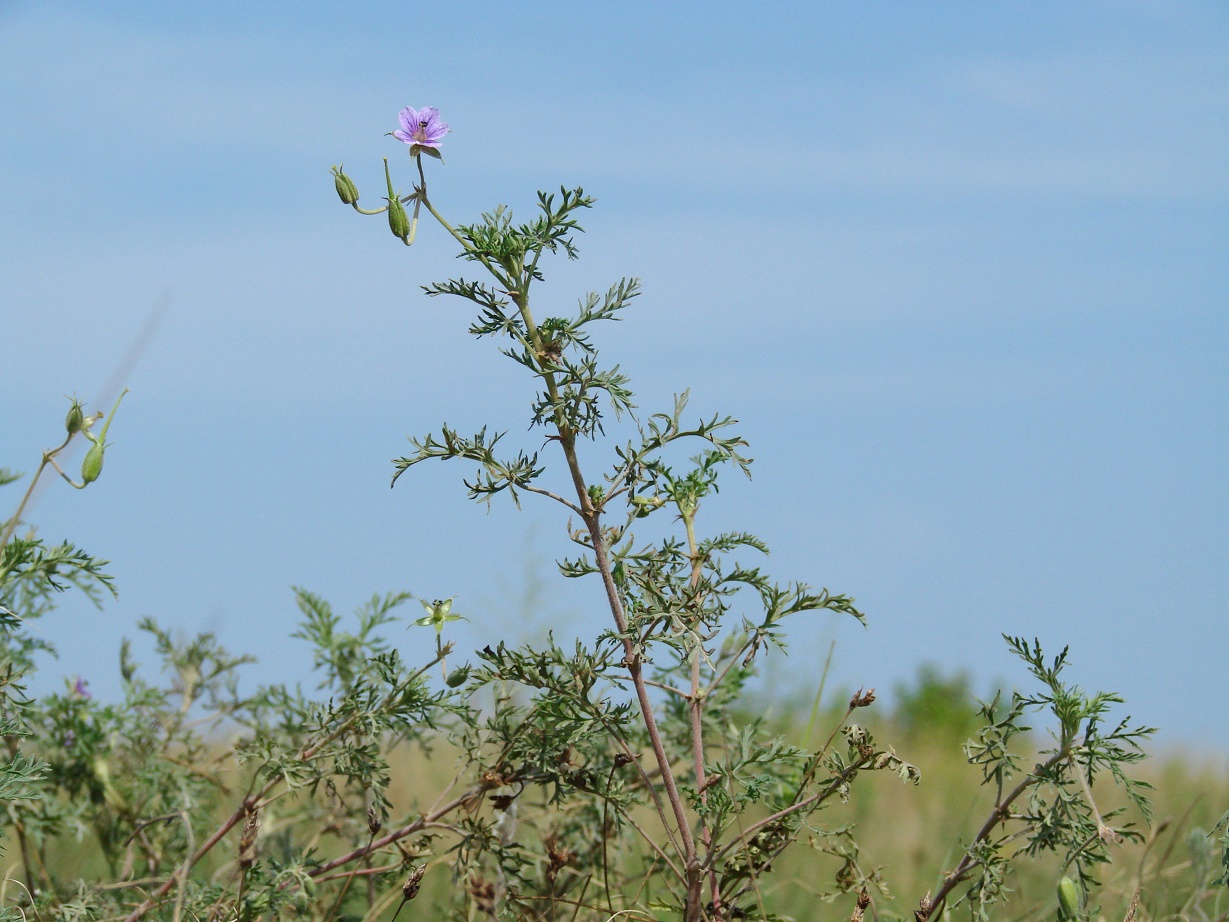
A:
422,128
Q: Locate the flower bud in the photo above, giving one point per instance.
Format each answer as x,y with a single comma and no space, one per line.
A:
347,191
1068,900
91,467
75,419
457,677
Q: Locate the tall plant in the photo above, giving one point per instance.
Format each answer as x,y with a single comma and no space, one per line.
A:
651,710
623,777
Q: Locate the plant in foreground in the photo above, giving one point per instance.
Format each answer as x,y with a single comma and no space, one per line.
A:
622,777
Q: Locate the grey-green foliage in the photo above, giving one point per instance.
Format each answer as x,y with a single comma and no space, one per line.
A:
32,574
690,617
1049,807
569,780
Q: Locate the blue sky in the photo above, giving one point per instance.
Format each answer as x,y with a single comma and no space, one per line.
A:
961,270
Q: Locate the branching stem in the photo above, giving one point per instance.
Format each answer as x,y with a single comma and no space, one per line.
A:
1000,813
252,801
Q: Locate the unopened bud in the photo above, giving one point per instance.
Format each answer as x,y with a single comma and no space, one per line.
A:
646,504
75,418
1068,900
347,191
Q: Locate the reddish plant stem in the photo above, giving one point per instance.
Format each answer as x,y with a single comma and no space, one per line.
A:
592,518
635,669
254,800
695,705
366,872
997,815
200,853
406,830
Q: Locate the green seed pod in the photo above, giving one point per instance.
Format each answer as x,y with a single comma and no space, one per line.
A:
398,220
75,419
347,191
91,467
1068,900
457,677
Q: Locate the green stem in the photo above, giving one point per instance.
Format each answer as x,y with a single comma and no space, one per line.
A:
503,279
21,507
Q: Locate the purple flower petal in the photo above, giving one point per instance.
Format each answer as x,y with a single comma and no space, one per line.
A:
421,128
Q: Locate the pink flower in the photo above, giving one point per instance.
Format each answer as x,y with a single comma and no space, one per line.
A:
422,128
